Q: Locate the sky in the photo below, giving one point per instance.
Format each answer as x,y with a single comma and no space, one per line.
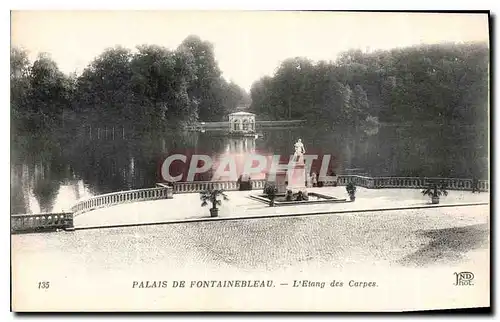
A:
248,45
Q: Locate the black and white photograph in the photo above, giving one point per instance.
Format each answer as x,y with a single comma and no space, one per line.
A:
238,161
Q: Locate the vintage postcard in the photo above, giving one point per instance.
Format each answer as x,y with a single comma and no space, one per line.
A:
249,161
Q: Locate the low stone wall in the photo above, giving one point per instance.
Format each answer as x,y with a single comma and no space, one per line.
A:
41,222
199,186
342,180
409,182
115,198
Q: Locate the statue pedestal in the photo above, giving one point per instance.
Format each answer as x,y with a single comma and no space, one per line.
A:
296,175
279,180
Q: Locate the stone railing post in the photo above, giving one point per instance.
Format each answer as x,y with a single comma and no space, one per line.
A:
68,222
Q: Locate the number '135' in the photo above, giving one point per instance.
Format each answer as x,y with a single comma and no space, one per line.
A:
43,285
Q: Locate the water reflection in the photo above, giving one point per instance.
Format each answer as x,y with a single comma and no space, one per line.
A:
51,174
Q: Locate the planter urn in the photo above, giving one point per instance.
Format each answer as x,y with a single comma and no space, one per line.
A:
435,200
214,212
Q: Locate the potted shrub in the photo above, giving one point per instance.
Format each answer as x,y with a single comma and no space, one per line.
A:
351,190
435,190
270,190
289,195
301,196
212,195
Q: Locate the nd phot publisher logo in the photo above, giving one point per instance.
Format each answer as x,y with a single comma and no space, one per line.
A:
463,278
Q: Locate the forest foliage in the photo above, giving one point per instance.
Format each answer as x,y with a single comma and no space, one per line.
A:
440,84
157,88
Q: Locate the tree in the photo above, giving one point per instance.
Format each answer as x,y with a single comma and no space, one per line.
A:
19,88
51,92
206,88
104,88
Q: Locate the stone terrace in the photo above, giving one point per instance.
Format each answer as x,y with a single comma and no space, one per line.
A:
188,206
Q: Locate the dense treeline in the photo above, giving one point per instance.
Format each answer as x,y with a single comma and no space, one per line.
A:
438,84
157,88
149,89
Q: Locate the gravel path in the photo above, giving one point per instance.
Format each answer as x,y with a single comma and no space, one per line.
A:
411,254
387,236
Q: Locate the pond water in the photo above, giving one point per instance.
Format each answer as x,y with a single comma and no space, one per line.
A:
51,175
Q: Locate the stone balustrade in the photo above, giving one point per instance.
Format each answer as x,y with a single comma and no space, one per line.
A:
410,182
53,221
111,199
199,186
342,180
41,222
166,192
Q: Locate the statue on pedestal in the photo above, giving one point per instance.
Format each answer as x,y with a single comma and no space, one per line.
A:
296,173
299,151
